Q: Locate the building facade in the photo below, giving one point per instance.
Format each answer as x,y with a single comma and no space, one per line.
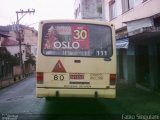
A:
89,9
28,37
138,21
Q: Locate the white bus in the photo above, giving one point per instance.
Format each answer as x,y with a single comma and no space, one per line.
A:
76,58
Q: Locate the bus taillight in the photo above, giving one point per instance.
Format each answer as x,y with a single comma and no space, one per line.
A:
112,79
39,77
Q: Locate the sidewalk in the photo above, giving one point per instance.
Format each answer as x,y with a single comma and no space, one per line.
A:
10,81
137,100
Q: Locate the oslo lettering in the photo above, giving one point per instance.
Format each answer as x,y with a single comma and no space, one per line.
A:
66,45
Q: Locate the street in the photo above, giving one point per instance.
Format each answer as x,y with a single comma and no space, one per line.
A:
18,102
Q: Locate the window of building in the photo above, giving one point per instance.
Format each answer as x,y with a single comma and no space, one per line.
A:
76,13
157,21
127,5
144,0
112,9
87,3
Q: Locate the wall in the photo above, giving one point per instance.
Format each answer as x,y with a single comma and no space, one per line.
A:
30,37
34,50
140,10
77,10
87,9
90,9
1,40
12,35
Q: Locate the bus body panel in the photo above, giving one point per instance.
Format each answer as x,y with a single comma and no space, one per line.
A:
103,93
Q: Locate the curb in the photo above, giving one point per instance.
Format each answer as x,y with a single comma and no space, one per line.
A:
13,80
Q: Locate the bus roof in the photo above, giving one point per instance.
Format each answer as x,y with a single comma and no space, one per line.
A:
88,21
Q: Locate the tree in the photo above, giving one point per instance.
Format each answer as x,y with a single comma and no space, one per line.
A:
7,57
30,60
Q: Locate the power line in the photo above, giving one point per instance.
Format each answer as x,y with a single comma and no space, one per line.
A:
33,23
23,13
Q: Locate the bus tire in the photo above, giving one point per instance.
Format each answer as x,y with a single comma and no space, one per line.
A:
48,98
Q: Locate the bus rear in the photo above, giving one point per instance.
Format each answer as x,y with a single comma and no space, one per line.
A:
76,58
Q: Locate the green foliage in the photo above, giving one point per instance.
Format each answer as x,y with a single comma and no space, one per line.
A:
6,56
15,60
30,60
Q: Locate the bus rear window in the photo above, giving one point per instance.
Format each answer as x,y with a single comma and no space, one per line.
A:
82,40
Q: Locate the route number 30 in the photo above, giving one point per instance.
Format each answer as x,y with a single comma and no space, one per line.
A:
80,34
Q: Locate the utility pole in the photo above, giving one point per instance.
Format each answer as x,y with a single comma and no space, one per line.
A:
23,13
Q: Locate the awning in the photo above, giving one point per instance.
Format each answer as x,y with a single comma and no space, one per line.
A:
122,43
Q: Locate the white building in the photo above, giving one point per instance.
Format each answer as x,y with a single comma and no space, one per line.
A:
137,25
29,37
139,22
89,9
120,12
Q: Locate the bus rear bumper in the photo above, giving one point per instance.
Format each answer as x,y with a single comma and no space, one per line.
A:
100,93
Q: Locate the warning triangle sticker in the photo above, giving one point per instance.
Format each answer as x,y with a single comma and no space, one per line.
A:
59,67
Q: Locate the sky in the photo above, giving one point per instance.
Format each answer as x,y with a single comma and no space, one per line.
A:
44,10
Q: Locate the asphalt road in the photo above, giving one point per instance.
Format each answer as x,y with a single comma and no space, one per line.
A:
18,102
